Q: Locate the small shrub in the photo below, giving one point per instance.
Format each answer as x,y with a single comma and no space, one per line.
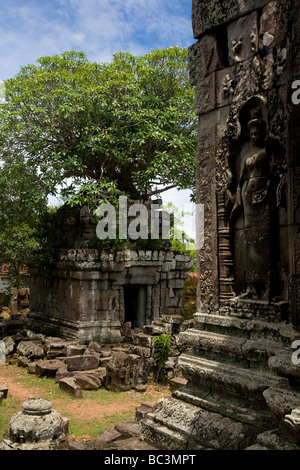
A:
162,351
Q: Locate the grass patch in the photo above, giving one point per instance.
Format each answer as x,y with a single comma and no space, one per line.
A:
189,297
86,417
8,408
93,427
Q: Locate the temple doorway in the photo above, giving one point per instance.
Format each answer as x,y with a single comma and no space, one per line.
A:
135,305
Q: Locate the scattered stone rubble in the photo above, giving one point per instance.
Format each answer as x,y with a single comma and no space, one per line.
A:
76,367
124,436
39,427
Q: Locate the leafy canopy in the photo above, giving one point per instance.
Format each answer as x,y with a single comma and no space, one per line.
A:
92,129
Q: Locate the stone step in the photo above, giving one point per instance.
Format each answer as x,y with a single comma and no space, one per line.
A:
227,378
140,339
162,437
229,408
252,352
275,440
153,330
279,332
282,401
283,365
175,425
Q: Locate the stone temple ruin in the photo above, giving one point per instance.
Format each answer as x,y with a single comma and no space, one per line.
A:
242,387
91,293
240,360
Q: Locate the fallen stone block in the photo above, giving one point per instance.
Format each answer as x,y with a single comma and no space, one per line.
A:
55,347
128,428
32,367
177,383
143,409
140,339
103,361
105,438
105,354
74,350
9,345
141,351
76,445
68,384
87,362
23,361
131,444
49,368
3,390
87,382
30,349
96,376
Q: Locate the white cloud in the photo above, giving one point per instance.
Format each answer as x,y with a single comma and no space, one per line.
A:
97,27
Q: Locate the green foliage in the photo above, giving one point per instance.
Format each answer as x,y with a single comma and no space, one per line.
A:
91,132
91,129
16,245
162,351
189,307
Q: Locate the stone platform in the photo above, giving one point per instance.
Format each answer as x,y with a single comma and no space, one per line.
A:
241,384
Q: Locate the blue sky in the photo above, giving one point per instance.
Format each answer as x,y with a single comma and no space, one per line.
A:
33,28
30,29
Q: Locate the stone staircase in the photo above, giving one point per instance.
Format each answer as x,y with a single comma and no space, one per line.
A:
142,342
241,385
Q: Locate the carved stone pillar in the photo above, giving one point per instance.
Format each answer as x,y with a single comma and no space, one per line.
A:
226,279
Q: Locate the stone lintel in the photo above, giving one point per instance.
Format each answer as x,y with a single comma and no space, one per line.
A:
210,14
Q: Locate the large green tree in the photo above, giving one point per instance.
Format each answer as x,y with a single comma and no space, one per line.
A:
91,128
88,131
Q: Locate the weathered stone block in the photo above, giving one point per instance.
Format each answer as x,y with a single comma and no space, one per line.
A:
49,368
87,362
3,390
87,381
32,367
23,361
176,283
74,350
69,385
273,24
56,346
105,438
141,339
243,38
205,94
143,409
209,14
204,58
128,428
30,349
9,345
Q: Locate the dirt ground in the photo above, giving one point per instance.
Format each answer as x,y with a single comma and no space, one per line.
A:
81,409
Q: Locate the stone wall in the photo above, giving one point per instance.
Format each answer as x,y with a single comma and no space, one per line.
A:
91,293
242,67
242,388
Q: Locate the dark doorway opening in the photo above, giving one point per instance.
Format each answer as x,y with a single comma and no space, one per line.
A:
135,305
